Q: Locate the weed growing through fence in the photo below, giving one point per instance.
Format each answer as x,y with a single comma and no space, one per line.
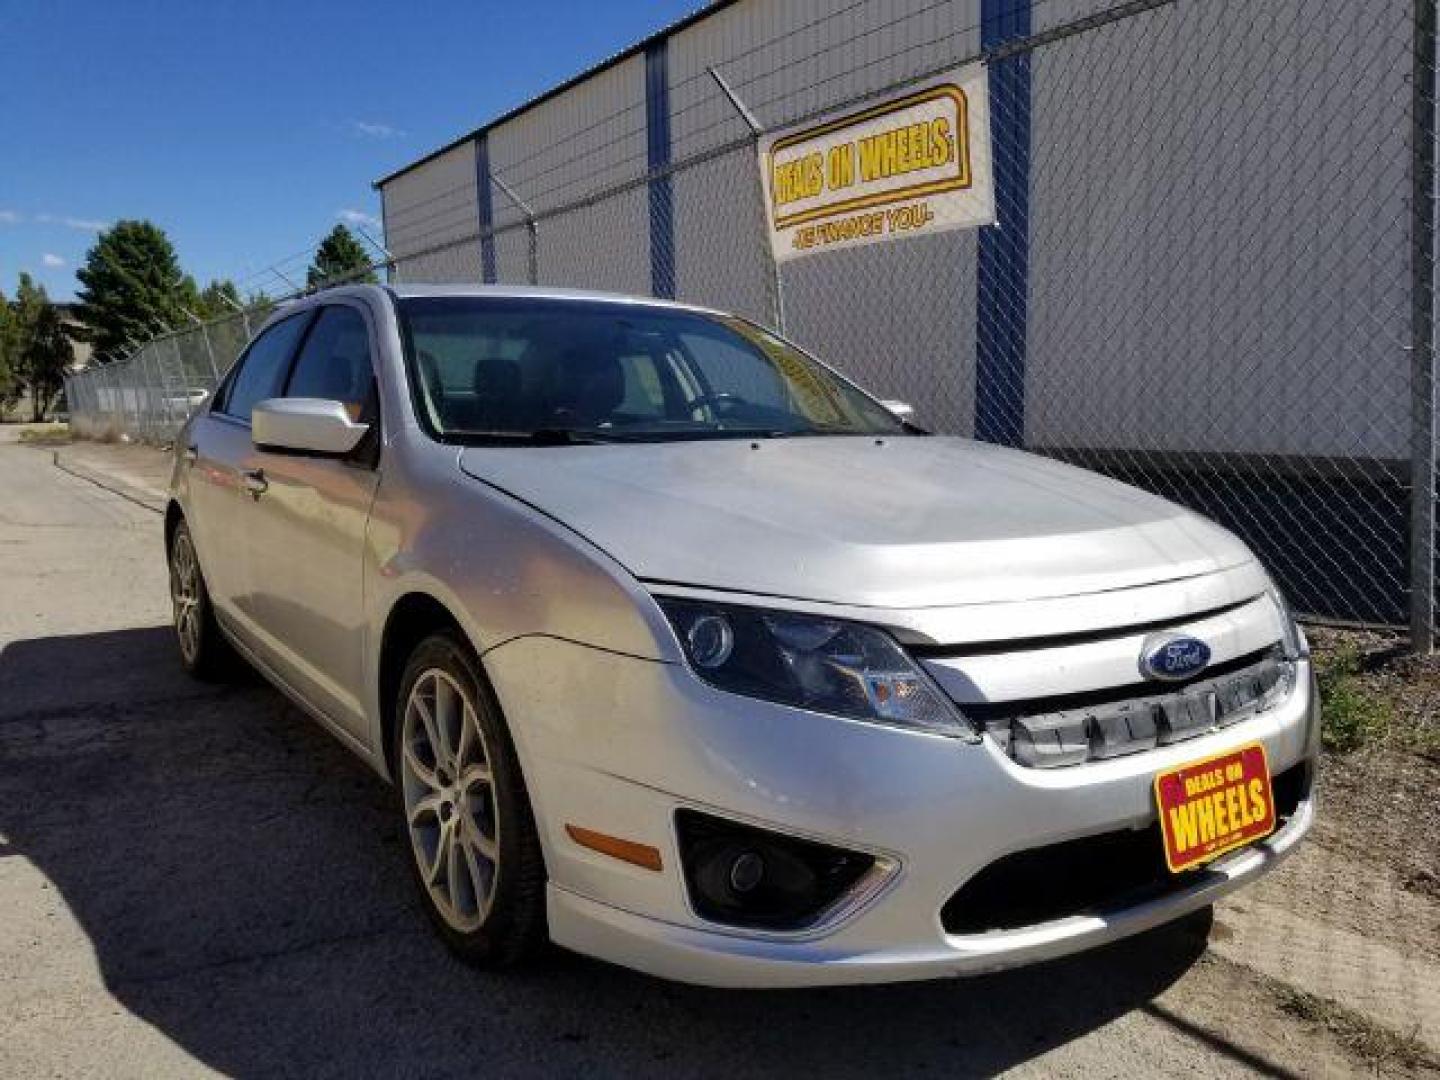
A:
1352,713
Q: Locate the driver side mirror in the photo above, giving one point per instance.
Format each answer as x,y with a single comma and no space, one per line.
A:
901,410
305,425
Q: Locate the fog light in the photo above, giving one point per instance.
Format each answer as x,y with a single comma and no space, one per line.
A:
744,876
746,872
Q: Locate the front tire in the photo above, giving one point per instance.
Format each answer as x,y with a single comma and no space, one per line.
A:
204,652
474,852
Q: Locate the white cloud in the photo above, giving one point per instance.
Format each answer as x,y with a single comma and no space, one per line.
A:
358,217
8,217
52,261
374,129
82,224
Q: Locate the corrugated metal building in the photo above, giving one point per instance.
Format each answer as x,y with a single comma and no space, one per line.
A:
1200,277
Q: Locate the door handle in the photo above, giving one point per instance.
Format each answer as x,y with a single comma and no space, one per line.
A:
255,482
192,454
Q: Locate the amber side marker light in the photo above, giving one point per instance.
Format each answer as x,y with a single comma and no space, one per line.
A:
625,850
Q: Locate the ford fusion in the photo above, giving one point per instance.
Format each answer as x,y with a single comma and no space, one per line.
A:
684,652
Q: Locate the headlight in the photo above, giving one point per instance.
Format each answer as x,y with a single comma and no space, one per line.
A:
826,665
1292,637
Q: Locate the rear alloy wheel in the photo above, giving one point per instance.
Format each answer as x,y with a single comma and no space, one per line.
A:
475,854
204,652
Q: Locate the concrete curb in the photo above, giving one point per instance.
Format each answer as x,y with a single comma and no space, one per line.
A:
150,500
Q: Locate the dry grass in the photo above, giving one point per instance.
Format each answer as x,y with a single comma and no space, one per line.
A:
45,434
1371,1042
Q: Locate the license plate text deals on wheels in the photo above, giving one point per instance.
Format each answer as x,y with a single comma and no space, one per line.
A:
1213,806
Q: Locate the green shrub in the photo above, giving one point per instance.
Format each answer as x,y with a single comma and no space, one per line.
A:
1352,713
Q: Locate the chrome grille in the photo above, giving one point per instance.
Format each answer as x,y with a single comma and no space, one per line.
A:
1049,738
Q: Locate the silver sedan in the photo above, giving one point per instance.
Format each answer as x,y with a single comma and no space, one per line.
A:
683,651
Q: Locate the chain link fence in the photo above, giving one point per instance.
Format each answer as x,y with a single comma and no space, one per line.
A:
1212,275
148,394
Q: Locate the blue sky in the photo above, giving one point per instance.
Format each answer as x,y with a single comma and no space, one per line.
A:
246,130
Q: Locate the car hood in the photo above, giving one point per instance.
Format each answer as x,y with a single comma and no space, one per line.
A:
900,522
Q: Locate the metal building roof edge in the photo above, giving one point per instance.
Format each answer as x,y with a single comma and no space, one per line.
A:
609,62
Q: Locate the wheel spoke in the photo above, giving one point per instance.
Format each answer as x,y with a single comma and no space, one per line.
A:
448,719
479,879
444,845
485,845
467,740
427,720
454,857
421,771
476,773
426,807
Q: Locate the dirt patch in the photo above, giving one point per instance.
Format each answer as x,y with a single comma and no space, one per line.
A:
1373,1044
1381,773
1267,1026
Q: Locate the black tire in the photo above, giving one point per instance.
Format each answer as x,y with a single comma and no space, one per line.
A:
511,927
205,655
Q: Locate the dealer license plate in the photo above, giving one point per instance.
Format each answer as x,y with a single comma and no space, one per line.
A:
1213,806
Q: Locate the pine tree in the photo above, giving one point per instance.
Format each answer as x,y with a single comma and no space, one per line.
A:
9,377
40,349
211,301
339,260
132,284
44,358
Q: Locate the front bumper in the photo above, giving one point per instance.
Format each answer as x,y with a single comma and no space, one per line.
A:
688,954
617,744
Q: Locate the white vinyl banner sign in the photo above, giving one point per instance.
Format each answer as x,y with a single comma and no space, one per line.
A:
912,166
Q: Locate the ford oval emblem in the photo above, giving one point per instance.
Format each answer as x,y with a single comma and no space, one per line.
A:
1173,657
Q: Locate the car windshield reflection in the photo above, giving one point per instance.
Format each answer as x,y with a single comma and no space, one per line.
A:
503,371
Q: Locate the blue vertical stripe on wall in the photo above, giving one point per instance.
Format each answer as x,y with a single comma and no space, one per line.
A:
390,277
657,129
484,200
1002,273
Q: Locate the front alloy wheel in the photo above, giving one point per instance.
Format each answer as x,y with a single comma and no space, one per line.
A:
204,652
185,596
474,850
449,794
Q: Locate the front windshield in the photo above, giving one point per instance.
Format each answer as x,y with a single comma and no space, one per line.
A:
491,368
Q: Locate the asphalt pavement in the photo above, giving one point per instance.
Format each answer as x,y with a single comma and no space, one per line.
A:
196,879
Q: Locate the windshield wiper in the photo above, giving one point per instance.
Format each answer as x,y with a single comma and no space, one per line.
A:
538,437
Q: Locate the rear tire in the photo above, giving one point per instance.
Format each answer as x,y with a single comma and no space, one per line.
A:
474,852
204,652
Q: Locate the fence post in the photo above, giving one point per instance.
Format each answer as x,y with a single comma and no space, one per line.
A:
531,232
1422,331
160,412
145,395
384,251
209,350
485,209
658,187
777,291
178,397
116,406
244,313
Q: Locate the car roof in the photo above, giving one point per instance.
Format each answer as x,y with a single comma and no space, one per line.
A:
407,290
